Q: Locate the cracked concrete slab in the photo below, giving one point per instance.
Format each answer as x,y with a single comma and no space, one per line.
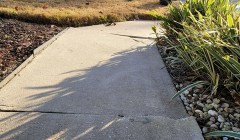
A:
96,70
85,127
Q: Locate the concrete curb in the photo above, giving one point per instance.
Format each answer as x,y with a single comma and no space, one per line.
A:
16,71
39,49
30,59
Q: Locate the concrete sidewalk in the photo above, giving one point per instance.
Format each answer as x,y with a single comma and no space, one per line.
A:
96,83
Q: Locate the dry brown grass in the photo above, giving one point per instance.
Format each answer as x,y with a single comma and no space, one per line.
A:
78,12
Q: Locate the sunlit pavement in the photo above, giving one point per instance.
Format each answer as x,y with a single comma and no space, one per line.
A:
96,82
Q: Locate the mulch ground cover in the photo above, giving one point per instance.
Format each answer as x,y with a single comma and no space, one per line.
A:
18,40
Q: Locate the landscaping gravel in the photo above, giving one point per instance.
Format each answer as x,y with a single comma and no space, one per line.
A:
18,40
212,112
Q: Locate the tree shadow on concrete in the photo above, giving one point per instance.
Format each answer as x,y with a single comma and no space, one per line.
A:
92,101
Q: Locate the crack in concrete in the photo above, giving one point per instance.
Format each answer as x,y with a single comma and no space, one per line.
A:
131,36
162,67
130,117
51,112
6,105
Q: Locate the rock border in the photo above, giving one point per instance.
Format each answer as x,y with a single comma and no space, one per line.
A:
211,113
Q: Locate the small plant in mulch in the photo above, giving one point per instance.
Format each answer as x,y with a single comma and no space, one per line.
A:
201,49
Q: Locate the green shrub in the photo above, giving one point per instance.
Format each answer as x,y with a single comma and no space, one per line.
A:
212,50
207,39
176,15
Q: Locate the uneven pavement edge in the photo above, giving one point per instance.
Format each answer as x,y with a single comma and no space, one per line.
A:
37,51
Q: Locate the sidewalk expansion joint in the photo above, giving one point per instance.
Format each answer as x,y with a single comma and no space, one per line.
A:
130,117
50,112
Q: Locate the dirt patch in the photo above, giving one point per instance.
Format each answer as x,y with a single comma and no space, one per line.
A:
18,40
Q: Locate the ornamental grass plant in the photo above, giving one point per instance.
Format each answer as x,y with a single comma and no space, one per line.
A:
205,35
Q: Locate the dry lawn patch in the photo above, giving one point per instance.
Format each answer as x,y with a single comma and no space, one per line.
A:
78,12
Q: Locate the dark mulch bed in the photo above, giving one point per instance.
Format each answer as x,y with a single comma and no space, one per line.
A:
18,40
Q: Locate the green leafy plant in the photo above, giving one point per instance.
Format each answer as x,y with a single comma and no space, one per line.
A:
231,134
207,39
190,87
181,13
